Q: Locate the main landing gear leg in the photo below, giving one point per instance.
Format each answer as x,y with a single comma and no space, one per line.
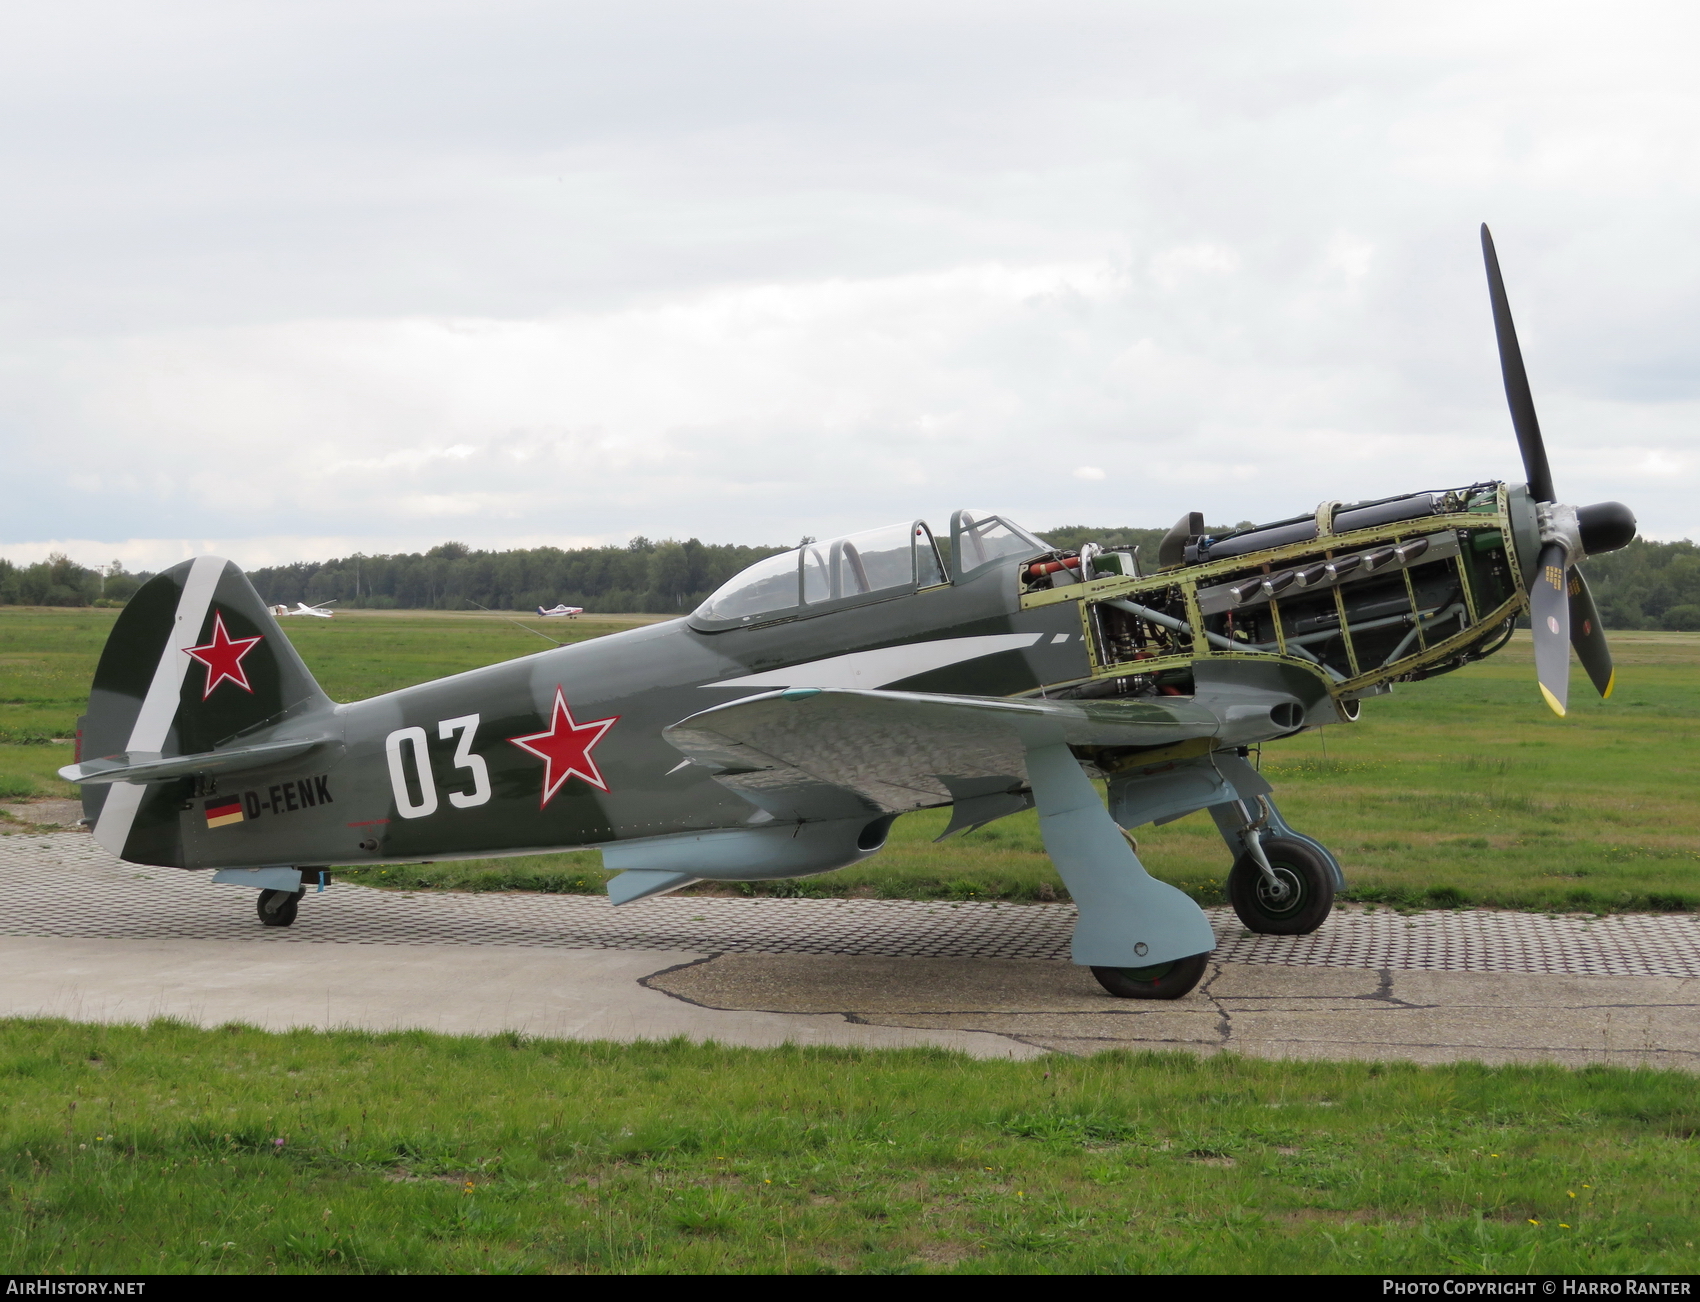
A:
1281,884
1142,938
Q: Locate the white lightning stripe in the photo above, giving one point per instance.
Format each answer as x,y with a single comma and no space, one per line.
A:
890,664
159,706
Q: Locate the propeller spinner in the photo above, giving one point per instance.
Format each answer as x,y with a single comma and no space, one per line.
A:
1561,609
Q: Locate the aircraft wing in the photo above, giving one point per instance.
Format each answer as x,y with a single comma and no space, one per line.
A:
840,752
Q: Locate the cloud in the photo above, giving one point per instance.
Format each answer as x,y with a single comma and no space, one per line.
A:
369,275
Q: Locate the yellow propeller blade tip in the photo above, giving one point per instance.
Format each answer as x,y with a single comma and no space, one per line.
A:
1551,700
1610,683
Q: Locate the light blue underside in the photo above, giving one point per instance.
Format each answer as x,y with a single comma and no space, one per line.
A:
638,885
260,879
1122,907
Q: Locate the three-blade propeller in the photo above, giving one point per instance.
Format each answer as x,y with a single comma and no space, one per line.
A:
1561,609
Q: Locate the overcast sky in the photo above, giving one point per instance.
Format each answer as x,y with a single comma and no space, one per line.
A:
288,280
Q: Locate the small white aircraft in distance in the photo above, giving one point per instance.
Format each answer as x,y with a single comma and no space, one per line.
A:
559,612
302,608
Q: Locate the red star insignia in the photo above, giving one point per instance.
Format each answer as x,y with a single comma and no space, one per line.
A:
223,657
565,748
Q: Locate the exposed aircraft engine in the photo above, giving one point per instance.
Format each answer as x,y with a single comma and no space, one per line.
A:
1364,594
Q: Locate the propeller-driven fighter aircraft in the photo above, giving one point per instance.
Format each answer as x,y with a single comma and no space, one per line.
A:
560,611
302,608
779,729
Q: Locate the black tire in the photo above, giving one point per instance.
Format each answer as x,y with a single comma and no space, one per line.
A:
1161,981
277,908
1310,886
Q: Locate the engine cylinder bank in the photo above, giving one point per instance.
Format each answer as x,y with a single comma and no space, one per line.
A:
1370,515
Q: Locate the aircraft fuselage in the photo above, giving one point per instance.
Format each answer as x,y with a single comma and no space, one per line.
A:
364,801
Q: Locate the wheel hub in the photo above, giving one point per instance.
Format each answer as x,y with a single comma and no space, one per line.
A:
1283,893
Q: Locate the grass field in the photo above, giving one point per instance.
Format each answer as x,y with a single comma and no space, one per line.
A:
175,1150
1465,790
172,1149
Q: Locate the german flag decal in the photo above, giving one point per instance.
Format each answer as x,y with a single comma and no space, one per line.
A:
224,812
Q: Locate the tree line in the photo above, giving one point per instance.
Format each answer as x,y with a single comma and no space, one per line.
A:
1647,585
60,581
654,577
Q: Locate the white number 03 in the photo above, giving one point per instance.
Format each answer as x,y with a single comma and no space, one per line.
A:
404,742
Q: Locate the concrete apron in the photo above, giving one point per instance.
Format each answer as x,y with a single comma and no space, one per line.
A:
986,1007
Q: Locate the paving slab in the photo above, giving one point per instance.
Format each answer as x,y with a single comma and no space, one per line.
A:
87,936
567,994
813,983
1516,991
64,884
48,813
1275,982
1422,1017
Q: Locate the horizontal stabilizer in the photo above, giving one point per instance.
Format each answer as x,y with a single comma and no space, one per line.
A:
141,767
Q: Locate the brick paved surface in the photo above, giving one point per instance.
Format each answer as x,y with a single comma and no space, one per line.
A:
63,884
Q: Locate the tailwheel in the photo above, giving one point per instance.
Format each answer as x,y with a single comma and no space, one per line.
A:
1296,903
277,908
1159,981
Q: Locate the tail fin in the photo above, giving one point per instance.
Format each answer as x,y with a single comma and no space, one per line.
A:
195,660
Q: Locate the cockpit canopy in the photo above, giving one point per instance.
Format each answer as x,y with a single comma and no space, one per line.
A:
874,565
979,539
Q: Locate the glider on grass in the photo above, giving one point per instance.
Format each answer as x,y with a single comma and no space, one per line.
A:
302,608
779,729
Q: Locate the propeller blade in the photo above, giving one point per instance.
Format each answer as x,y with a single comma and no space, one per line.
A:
1517,382
1549,616
1588,637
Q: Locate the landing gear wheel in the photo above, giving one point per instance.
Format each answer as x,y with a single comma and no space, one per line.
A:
1302,901
277,908
1160,981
